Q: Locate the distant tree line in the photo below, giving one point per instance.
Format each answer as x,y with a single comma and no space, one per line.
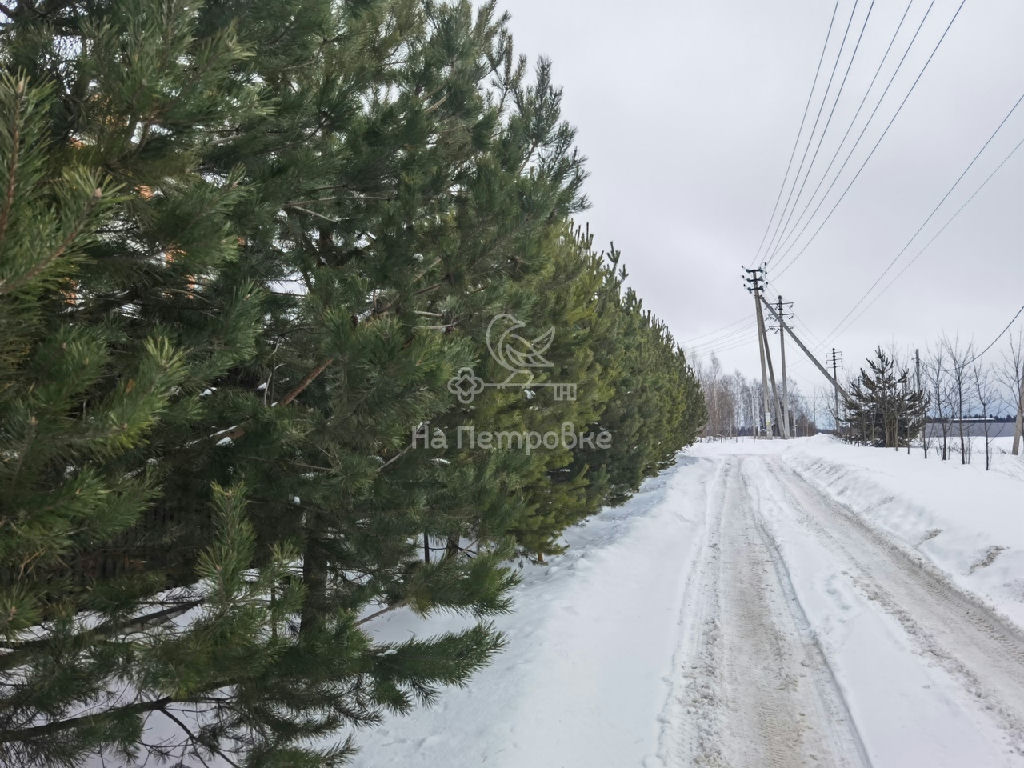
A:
735,406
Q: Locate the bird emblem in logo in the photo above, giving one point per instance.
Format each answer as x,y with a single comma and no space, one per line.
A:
515,353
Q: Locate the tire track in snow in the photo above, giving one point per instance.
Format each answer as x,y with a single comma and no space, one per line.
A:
758,689
694,697
978,649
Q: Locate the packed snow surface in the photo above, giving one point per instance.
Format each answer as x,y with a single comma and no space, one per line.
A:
762,603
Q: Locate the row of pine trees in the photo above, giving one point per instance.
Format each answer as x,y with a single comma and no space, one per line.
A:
243,248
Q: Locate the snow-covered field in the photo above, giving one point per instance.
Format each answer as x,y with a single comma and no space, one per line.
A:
760,604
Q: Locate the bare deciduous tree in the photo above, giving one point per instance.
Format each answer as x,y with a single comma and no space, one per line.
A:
985,393
1011,375
938,385
960,357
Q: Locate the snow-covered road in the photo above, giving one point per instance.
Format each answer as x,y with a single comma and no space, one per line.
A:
732,614
758,689
821,642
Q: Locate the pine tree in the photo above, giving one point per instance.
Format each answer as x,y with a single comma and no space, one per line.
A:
171,319
882,410
115,322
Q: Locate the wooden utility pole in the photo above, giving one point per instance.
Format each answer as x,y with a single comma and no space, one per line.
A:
782,349
783,429
803,347
766,425
924,424
754,283
1019,422
785,387
834,360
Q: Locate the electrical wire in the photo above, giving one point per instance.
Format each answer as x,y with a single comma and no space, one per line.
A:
730,338
942,229
724,328
738,344
814,128
828,122
718,343
796,141
930,216
885,131
787,240
998,337
814,337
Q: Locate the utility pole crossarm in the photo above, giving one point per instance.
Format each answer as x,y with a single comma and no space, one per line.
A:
806,351
754,282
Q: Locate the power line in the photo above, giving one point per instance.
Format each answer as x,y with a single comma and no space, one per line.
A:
997,338
880,138
720,344
856,143
842,142
821,107
721,339
737,343
717,343
721,330
812,334
828,122
799,132
931,215
935,237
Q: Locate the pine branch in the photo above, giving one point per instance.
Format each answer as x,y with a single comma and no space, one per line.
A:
239,431
427,110
106,630
300,209
196,740
381,612
12,172
307,381
84,721
394,458
141,707
191,736
61,249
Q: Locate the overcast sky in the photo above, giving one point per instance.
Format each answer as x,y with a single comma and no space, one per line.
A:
688,112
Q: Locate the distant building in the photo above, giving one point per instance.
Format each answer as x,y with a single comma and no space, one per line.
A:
972,428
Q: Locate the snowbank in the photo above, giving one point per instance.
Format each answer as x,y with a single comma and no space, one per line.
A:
964,520
588,666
